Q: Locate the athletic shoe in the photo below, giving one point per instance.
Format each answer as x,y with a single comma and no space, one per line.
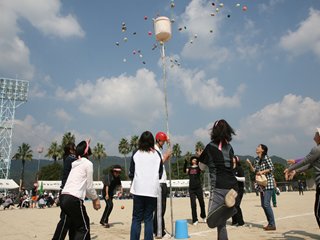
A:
230,198
204,220
269,228
106,225
195,223
167,236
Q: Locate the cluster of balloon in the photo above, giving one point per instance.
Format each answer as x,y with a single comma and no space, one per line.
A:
125,39
174,62
217,9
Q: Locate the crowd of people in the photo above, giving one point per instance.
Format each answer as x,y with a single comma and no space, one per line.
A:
149,189
29,199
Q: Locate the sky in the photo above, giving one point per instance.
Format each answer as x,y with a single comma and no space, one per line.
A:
253,63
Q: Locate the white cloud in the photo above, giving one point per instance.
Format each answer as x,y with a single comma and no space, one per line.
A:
63,116
306,38
32,132
269,6
288,124
245,43
198,21
206,93
136,98
44,16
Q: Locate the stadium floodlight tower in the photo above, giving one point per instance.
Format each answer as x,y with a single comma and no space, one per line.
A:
13,93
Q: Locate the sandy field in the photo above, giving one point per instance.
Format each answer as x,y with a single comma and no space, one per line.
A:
294,219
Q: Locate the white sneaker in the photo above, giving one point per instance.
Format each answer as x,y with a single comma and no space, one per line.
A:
230,198
204,220
195,223
167,236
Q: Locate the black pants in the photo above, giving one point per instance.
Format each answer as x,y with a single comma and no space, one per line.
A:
238,218
62,228
107,211
317,205
197,193
164,193
76,212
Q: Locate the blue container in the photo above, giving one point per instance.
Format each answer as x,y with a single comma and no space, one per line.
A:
181,229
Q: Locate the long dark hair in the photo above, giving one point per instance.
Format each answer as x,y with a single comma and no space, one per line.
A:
221,132
146,141
265,150
83,149
69,149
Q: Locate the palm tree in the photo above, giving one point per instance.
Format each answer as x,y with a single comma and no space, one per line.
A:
67,138
98,153
24,154
54,151
176,152
199,146
134,142
124,149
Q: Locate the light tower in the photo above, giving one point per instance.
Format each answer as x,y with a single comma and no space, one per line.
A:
13,93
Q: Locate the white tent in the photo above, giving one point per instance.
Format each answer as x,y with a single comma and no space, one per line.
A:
55,185
8,184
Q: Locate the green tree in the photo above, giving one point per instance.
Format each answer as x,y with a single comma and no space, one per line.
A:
199,146
51,172
176,153
134,143
278,172
98,153
24,154
67,138
54,151
124,149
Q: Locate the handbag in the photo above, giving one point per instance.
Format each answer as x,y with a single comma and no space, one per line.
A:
262,180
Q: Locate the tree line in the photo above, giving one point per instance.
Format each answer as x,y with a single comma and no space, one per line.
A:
126,147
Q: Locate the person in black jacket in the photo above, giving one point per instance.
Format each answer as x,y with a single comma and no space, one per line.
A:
195,188
68,157
111,183
237,219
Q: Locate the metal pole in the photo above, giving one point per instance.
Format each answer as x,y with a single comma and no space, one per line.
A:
163,56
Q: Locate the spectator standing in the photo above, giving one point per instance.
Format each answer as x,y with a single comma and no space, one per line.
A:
161,139
195,188
145,171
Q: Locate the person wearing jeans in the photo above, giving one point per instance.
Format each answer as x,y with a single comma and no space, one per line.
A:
263,166
145,171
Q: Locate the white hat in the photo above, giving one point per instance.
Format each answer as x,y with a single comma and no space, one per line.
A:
318,130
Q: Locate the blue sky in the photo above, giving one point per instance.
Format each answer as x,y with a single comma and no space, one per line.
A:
258,69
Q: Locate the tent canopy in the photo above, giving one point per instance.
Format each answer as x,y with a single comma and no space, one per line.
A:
55,185
8,184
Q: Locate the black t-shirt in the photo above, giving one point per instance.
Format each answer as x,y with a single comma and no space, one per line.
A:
112,183
194,177
220,166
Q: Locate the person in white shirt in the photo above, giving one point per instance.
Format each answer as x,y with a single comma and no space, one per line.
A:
78,186
161,139
145,171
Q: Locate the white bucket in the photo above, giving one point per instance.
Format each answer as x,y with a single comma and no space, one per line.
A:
162,28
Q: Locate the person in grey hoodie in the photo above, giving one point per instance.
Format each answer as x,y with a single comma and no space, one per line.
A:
312,160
